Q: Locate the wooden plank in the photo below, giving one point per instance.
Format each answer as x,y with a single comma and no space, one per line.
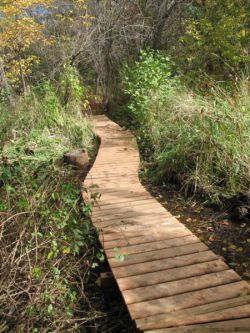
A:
98,167
114,175
126,191
149,237
139,217
110,165
200,330
172,229
148,247
99,176
118,243
159,254
125,149
128,184
101,182
238,312
188,316
141,207
130,212
168,277
150,279
163,264
138,228
191,299
179,287
107,203
110,162
115,200
143,220
111,152
238,325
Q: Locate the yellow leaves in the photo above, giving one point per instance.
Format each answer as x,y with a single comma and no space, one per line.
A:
20,67
67,250
77,14
80,4
18,32
243,33
14,7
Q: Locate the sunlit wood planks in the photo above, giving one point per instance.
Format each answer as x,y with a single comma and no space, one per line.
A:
169,279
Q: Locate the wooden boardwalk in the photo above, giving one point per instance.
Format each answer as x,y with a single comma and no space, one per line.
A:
169,279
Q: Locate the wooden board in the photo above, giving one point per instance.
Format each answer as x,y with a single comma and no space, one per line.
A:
191,315
240,325
174,274
188,300
163,264
170,281
179,287
174,252
148,247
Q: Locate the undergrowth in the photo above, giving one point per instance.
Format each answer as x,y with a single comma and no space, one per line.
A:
47,246
200,141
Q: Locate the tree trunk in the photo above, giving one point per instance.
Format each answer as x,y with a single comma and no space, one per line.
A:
165,10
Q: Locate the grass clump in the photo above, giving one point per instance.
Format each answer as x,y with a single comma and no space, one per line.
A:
47,246
202,142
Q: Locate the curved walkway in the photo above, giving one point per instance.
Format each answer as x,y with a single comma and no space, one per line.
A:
169,279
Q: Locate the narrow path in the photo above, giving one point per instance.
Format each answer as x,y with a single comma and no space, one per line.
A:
169,279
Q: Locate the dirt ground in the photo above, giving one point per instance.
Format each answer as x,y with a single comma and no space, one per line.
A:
227,238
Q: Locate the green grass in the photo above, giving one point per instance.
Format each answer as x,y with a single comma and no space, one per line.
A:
47,244
202,142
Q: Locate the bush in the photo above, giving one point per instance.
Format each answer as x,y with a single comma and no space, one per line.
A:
202,142
216,39
142,82
45,235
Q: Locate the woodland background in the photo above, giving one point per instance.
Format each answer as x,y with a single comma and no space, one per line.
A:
174,71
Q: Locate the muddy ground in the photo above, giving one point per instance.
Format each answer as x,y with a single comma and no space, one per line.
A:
226,237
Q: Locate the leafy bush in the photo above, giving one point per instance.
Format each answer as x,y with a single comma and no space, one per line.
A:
152,72
46,234
216,38
202,142
73,93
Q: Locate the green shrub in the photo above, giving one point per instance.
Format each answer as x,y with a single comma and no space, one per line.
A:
152,72
202,142
216,39
45,234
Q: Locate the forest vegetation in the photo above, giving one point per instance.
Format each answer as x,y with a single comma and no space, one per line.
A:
174,71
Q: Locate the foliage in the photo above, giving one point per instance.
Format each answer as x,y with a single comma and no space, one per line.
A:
31,31
46,238
201,142
152,72
216,39
18,32
72,91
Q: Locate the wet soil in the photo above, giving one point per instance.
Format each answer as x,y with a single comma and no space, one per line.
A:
226,237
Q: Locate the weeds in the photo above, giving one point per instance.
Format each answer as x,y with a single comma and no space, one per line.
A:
200,142
47,244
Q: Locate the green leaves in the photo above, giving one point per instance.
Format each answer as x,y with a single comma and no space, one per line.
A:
120,257
44,228
201,142
216,39
153,73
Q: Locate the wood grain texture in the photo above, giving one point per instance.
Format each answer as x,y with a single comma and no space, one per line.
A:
170,281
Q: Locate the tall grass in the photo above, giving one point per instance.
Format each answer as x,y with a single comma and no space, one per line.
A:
200,141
